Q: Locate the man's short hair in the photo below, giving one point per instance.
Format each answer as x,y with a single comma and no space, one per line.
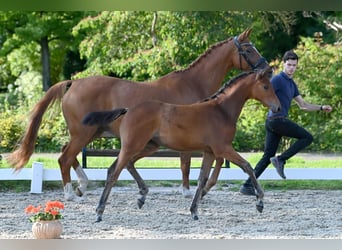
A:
290,55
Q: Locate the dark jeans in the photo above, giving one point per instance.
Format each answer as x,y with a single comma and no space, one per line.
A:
275,130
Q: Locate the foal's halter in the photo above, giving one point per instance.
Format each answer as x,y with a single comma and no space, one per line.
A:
243,53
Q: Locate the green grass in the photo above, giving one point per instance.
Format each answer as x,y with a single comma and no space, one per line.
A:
105,162
25,186
285,185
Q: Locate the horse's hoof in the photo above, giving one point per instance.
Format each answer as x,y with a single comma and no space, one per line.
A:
80,199
203,193
99,218
187,193
69,197
195,217
260,206
140,203
78,192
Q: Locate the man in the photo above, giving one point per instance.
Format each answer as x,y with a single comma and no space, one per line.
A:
278,125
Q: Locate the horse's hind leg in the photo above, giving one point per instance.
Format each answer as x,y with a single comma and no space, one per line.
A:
149,149
214,176
185,161
82,179
81,175
143,189
68,159
65,161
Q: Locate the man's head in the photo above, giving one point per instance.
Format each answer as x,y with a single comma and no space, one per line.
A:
290,60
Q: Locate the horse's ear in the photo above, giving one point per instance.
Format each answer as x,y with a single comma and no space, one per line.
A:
266,72
259,74
244,35
269,71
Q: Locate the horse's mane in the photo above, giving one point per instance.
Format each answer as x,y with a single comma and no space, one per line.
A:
207,52
227,85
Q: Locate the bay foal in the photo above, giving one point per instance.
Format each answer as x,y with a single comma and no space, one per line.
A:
207,126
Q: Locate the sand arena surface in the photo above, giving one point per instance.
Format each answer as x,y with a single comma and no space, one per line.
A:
223,214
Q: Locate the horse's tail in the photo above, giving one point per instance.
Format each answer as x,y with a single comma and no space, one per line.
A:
20,156
103,117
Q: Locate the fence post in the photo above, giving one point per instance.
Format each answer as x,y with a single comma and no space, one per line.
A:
37,178
84,157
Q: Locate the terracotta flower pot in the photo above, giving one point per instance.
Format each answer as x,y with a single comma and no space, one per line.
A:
47,229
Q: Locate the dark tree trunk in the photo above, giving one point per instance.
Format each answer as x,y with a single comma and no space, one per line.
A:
45,57
153,29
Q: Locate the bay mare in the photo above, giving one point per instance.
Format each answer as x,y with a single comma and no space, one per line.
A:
199,80
207,126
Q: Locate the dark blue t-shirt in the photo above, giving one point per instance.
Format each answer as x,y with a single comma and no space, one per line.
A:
286,89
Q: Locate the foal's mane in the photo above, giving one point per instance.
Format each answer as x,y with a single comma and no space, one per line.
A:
207,52
228,85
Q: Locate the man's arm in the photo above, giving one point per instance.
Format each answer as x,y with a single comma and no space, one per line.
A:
303,105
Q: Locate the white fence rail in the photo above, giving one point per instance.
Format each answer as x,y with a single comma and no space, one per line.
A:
37,174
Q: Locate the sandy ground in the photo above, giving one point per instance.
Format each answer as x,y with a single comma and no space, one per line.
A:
223,214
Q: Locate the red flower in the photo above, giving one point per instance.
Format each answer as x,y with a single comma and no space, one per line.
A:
51,211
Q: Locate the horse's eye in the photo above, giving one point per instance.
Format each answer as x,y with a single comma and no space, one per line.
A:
266,87
249,51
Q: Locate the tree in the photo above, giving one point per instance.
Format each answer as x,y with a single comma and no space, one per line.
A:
332,21
47,34
282,30
146,45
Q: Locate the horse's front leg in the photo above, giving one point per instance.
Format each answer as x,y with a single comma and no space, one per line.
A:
214,176
106,191
257,187
235,158
112,177
185,161
143,189
207,162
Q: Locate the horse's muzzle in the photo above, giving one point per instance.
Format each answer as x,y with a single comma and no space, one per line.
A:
275,108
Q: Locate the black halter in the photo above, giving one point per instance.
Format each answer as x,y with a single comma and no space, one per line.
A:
255,66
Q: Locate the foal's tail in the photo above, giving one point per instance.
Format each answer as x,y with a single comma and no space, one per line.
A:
103,117
18,158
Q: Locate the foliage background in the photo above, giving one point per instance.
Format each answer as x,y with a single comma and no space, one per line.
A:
144,45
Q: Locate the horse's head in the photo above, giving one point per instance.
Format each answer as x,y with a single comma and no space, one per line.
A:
252,58
263,90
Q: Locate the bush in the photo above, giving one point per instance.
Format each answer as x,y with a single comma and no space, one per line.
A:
11,130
